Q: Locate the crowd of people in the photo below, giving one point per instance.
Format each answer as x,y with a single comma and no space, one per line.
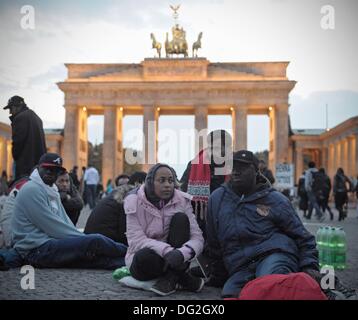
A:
314,192
232,224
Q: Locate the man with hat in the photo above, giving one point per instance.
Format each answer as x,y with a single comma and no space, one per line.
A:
44,235
253,230
28,137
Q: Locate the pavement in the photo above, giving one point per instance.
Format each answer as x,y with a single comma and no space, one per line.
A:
80,284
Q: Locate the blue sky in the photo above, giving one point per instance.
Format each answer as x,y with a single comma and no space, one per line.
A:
323,62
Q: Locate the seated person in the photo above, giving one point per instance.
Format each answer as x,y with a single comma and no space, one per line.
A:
162,232
70,197
121,180
44,235
253,230
108,217
8,209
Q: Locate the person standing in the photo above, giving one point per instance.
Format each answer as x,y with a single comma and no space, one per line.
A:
74,177
202,175
340,192
312,200
4,186
303,203
91,179
28,137
324,190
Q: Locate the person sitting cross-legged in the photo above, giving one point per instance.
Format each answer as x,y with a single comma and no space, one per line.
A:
44,235
162,232
253,230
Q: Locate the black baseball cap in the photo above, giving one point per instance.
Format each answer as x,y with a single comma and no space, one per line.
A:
14,101
51,160
246,156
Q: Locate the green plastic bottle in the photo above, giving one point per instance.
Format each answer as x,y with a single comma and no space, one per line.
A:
326,248
333,246
120,273
320,245
341,250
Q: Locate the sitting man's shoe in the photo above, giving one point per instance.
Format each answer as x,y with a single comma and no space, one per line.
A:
341,292
3,267
191,283
166,285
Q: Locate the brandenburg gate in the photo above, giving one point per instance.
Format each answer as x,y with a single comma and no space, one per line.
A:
172,86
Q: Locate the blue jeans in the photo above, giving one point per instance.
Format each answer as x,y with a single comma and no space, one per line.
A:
11,257
91,190
93,251
276,263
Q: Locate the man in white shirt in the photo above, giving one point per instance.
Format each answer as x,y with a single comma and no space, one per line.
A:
91,179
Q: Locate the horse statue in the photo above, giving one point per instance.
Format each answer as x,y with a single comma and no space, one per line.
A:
156,45
197,45
178,45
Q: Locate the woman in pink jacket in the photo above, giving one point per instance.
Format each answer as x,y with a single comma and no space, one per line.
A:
162,232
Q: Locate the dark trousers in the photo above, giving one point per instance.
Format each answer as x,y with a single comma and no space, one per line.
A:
91,194
276,263
340,199
147,264
313,204
92,251
323,204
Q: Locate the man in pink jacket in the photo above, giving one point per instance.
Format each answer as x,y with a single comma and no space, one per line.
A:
162,232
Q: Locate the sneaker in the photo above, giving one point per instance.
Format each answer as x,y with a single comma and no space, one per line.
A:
3,267
166,284
190,283
341,292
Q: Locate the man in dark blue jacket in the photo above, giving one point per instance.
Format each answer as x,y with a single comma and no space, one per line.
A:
253,230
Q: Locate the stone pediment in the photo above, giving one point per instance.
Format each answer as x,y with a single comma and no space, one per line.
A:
197,69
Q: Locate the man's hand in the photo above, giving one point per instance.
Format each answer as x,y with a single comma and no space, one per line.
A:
174,259
313,273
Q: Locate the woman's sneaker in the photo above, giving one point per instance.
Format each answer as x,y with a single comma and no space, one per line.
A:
166,284
190,283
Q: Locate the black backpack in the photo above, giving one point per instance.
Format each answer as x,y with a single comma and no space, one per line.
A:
319,184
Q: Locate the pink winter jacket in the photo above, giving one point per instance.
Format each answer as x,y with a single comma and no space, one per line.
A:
148,227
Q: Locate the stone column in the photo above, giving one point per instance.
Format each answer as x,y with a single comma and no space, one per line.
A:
112,157
9,159
351,156
299,163
331,160
355,155
324,158
3,155
150,138
239,127
278,135
344,155
338,155
201,123
71,150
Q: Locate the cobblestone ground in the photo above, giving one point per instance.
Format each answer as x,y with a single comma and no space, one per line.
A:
98,284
